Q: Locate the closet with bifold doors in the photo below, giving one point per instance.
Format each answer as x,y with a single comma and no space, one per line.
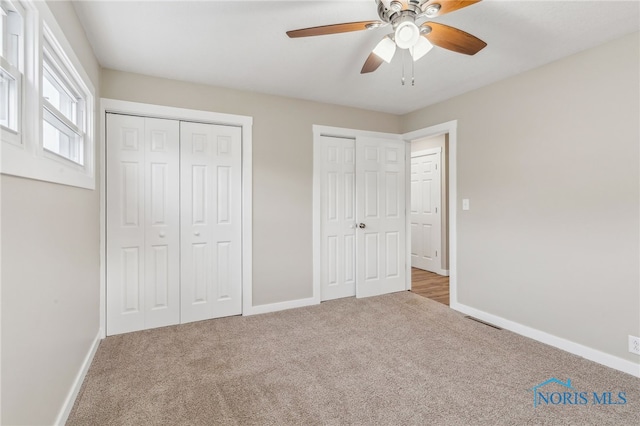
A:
173,222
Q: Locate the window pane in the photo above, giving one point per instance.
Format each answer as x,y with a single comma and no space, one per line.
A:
59,139
11,32
59,96
8,101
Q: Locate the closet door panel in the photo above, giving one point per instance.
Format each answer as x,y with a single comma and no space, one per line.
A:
143,229
211,221
125,223
162,222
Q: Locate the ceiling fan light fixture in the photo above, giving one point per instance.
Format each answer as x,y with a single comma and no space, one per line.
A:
407,34
385,49
421,48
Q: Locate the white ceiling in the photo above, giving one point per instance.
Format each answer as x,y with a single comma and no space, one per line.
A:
242,44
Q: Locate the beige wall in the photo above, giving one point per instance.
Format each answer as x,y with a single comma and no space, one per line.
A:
549,161
50,281
282,168
440,141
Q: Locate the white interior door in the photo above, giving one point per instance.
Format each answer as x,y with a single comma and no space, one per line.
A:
338,235
426,210
380,211
142,223
211,221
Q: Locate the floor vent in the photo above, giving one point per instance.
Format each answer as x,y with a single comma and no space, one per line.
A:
483,322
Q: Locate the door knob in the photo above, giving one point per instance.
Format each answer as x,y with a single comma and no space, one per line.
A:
162,234
197,233
362,225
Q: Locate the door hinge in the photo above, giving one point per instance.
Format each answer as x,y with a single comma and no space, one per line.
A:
436,210
436,253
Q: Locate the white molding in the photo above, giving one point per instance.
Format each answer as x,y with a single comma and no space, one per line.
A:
429,151
316,217
586,352
407,213
161,111
173,113
247,218
341,132
440,271
450,127
281,306
63,415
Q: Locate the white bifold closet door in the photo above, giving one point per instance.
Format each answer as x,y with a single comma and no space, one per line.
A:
211,190
174,222
143,230
363,221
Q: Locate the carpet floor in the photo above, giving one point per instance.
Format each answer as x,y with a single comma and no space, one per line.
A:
397,359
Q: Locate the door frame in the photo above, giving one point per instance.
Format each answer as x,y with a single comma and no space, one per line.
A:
450,128
173,113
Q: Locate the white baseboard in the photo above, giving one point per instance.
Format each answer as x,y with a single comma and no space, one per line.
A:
443,272
586,352
77,383
281,306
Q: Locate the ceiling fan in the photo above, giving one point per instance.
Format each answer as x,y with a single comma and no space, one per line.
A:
409,32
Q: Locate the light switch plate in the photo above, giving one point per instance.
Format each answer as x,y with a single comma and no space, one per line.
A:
465,204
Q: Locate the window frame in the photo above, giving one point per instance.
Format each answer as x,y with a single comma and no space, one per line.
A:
67,80
15,71
45,44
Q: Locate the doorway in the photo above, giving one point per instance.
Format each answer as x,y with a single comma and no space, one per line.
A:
450,129
429,219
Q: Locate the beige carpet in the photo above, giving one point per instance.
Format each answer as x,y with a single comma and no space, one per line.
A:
395,359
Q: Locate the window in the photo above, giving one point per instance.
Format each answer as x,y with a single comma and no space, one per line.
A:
11,42
46,99
63,106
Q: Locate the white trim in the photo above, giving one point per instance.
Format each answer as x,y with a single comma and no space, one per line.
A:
173,113
247,219
63,415
316,219
407,213
586,352
281,306
429,151
450,127
440,271
341,132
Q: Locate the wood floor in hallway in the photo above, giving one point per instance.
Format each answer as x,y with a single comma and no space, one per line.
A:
430,285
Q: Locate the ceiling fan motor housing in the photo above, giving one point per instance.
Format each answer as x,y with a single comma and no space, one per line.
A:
393,12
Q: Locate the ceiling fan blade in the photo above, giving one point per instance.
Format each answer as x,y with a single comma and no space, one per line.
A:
334,29
371,64
453,39
447,6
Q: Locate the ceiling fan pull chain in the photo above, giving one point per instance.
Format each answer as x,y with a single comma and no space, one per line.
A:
402,67
413,77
